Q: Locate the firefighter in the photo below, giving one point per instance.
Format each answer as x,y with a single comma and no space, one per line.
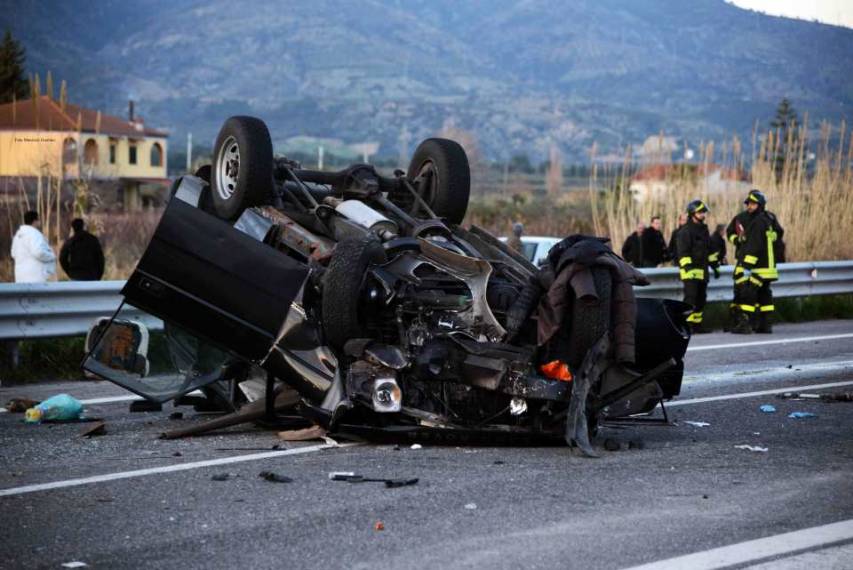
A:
693,252
736,234
760,248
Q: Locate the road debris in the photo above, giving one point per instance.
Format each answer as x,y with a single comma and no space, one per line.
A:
74,564
100,428
351,477
307,434
61,407
471,506
801,415
20,405
222,477
755,448
176,416
834,397
416,446
138,406
273,477
767,408
379,525
697,424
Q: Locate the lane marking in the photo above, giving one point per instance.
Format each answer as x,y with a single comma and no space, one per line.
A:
104,400
757,393
166,469
760,549
769,342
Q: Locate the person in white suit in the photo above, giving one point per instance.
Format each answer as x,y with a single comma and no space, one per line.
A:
35,261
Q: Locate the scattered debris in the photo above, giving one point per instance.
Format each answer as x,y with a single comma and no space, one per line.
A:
177,454
517,406
222,477
176,416
704,496
61,407
498,462
471,506
74,564
273,448
274,477
100,428
307,434
416,446
351,477
801,415
767,408
697,424
330,441
755,448
20,405
834,397
379,525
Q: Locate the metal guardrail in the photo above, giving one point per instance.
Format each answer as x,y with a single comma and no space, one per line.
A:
66,308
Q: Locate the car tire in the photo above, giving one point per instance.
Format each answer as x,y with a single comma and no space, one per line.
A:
343,284
242,167
449,186
590,319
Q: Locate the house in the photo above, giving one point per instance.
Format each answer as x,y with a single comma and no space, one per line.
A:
654,182
43,137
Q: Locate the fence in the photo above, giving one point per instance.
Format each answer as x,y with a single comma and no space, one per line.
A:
44,310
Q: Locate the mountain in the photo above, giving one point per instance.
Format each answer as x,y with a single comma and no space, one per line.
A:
520,75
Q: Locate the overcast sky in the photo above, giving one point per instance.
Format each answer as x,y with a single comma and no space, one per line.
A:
838,12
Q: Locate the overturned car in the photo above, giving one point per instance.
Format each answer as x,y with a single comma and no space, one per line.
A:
371,311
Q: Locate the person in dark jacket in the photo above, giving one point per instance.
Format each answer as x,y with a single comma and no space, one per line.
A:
761,246
682,219
693,248
632,249
718,243
81,255
654,245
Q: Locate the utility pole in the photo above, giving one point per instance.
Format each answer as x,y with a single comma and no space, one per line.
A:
189,152
320,157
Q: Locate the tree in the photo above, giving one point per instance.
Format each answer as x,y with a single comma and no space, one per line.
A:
785,131
13,84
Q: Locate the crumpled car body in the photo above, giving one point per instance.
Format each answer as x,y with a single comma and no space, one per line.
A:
388,319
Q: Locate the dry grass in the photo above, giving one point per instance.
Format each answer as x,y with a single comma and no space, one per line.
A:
810,196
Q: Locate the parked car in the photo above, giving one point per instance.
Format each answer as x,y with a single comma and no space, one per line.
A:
536,248
365,295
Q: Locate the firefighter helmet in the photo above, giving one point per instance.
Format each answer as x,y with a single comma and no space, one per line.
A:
757,197
696,207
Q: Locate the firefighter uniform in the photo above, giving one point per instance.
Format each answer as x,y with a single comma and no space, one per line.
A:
693,252
756,267
736,234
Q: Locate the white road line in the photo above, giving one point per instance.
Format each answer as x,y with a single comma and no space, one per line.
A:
760,549
165,469
769,342
758,393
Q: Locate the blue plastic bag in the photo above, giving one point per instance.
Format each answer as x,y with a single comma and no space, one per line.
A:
801,415
767,408
59,407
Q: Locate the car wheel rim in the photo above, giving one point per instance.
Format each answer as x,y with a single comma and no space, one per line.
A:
227,168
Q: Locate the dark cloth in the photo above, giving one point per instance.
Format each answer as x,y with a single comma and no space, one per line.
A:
718,246
653,248
567,276
693,246
671,248
632,250
82,258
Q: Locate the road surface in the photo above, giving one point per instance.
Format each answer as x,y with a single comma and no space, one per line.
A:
672,497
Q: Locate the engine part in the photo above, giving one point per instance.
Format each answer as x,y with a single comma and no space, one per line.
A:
368,218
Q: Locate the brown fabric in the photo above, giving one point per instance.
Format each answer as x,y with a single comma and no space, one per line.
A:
576,278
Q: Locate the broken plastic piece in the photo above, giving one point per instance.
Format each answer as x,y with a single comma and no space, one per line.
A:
752,448
517,406
556,370
416,446
471,506
351,477
767,408
379,525
100,428
274,477
74,564
801,415
697,424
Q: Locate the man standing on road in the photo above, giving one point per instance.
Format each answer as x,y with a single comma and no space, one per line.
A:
693,247
682,219
81,255
761,245
514,241
653,244
632,249
35,262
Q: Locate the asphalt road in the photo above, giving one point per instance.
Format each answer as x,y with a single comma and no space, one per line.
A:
683,490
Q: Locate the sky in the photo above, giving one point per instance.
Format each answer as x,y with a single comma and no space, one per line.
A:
837,12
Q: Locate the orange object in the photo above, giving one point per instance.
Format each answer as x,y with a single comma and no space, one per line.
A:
379,525
556,370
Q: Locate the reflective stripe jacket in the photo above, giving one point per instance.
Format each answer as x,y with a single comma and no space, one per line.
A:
736,230
759,250
693,248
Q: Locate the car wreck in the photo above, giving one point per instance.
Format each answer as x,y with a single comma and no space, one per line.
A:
358,302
